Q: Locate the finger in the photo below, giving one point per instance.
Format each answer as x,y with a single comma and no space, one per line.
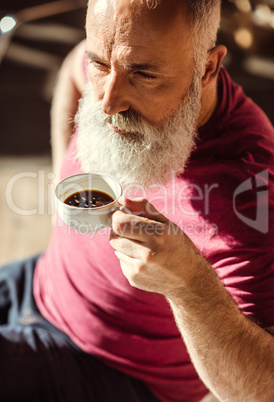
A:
136,228
131,248
130,261
141,207
129,267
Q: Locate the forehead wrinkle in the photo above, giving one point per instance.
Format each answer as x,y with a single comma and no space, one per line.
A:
127,57
102,43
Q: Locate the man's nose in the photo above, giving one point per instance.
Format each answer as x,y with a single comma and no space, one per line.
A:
116,97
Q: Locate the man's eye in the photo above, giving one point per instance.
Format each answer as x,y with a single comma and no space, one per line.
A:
146,76
98,64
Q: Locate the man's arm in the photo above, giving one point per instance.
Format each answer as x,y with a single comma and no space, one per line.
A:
233,356
69,88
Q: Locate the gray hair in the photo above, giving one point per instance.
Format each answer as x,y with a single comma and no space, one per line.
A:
205,16
150,3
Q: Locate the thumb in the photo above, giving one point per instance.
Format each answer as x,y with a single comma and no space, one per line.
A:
142,207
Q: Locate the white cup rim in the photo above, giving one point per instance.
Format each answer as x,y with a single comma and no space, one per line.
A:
95,175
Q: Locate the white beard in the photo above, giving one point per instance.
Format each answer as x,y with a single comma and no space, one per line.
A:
148,154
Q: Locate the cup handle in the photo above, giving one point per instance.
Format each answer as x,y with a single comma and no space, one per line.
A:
121,208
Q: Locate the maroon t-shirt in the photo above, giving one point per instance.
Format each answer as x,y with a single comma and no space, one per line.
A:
223,202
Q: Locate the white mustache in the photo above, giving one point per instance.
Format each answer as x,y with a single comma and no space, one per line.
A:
128,121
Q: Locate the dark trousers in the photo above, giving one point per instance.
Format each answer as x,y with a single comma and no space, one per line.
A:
38,362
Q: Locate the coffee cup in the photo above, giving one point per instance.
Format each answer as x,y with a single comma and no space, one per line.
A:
88,219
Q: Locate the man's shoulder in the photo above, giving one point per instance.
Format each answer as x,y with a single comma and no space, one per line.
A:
237,109
238,131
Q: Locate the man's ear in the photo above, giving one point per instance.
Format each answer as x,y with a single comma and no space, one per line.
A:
213,64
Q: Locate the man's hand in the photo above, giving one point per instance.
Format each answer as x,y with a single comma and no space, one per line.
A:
155,254
232,355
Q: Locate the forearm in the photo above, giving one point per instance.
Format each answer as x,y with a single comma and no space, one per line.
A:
233,356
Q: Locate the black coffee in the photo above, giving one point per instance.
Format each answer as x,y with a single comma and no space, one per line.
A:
88,199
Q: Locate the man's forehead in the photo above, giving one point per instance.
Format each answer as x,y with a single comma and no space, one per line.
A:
165,14
134,21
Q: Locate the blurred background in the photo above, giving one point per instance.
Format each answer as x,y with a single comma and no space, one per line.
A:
35,36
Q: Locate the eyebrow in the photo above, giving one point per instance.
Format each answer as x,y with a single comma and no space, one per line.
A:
132,66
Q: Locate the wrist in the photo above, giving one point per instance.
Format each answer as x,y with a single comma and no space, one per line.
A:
200,285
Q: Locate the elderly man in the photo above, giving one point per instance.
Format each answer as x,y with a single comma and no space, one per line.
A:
178,299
